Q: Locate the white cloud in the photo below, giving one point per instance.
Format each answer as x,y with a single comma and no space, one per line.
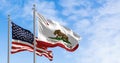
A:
102,32
72,7
105,33
46,8
111,7
82,25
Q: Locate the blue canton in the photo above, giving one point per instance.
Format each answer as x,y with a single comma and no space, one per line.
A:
19,33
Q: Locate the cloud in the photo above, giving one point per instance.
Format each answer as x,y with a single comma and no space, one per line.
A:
82,25
100,32
103,43
46,8
110,7
76,10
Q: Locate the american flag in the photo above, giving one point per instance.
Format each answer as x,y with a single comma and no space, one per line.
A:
22,40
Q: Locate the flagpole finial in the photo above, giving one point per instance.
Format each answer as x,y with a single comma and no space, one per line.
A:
33,5
8,15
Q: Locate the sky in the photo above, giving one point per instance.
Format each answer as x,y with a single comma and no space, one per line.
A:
96,21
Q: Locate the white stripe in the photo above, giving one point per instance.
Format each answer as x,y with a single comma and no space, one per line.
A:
39,53
29,45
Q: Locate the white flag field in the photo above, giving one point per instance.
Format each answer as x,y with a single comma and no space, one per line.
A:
52,34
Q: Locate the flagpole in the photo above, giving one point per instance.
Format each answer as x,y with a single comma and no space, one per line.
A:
8,39
34,28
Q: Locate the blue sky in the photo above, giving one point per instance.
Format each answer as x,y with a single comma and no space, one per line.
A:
96,21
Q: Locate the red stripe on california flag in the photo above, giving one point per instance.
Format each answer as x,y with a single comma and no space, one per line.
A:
45,45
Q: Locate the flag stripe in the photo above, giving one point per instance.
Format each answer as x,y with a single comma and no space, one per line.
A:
46,45
21,46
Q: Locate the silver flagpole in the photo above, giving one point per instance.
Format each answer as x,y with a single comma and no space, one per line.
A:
8,61
34,28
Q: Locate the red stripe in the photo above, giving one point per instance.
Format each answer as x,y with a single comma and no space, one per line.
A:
45,45
19,49
15,47
13,52
22,44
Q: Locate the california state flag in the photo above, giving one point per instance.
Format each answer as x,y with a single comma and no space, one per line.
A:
52,34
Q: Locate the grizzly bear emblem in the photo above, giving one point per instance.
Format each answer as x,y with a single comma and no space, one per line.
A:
60,36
